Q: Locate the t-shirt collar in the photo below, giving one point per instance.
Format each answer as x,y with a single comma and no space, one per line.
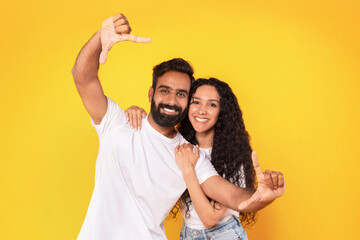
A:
176,139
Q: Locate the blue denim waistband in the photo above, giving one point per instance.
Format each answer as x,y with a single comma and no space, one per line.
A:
232,225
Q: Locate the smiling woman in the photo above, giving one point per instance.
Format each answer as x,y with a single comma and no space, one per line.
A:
215,123
204,110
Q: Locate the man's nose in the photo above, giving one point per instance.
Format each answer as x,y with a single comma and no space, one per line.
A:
171,99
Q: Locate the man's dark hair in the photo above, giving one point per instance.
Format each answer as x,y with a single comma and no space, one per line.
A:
176,65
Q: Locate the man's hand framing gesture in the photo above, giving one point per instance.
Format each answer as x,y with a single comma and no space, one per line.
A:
271,185
116,29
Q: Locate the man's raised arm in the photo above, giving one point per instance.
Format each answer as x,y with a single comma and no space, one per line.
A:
271,185
85,70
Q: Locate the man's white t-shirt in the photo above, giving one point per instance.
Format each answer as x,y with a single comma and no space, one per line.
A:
192,219
137,181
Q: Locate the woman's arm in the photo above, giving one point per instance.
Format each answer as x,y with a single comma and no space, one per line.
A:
186,160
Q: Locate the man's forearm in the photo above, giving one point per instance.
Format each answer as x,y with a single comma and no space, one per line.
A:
246,200
240,195
231,196
95,51
87,62
237,195
256,206
226,193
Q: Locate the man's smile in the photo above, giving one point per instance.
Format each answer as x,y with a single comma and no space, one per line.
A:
169,111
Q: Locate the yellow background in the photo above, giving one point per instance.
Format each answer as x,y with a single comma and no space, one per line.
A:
294,66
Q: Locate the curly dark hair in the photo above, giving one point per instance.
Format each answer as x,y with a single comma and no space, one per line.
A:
231,149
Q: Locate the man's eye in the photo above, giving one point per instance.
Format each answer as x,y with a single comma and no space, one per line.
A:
181,94
194,102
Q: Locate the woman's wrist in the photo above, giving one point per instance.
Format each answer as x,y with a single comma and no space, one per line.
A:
188,171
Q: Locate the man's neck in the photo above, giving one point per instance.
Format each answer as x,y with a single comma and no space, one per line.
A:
166,131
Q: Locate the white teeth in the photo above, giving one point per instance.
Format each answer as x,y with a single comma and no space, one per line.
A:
201,119
169,110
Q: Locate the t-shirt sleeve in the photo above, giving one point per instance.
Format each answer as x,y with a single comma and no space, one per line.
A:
113,118
204,169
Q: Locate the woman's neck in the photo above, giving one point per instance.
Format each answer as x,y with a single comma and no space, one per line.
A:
205,139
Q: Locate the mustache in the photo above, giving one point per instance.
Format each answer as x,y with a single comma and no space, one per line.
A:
176,108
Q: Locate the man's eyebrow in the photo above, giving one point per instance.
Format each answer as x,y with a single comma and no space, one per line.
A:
164,86
211,100
177,90
183,91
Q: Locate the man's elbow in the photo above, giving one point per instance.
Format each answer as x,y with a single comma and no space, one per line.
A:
73,71
76,75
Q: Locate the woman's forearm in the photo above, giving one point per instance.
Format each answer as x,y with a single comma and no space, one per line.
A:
204,208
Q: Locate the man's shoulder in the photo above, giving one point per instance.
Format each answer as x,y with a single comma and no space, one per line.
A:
112,103
181,138
114,118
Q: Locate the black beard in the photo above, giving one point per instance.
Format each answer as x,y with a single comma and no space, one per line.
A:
165,120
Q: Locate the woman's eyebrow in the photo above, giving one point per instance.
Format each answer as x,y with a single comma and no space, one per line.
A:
211,100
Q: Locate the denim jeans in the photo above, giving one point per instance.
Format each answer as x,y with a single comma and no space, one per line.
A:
229,230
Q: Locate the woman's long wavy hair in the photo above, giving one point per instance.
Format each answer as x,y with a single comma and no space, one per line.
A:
231,150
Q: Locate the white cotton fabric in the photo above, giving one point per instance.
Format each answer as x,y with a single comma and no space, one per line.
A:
192,219
137,181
